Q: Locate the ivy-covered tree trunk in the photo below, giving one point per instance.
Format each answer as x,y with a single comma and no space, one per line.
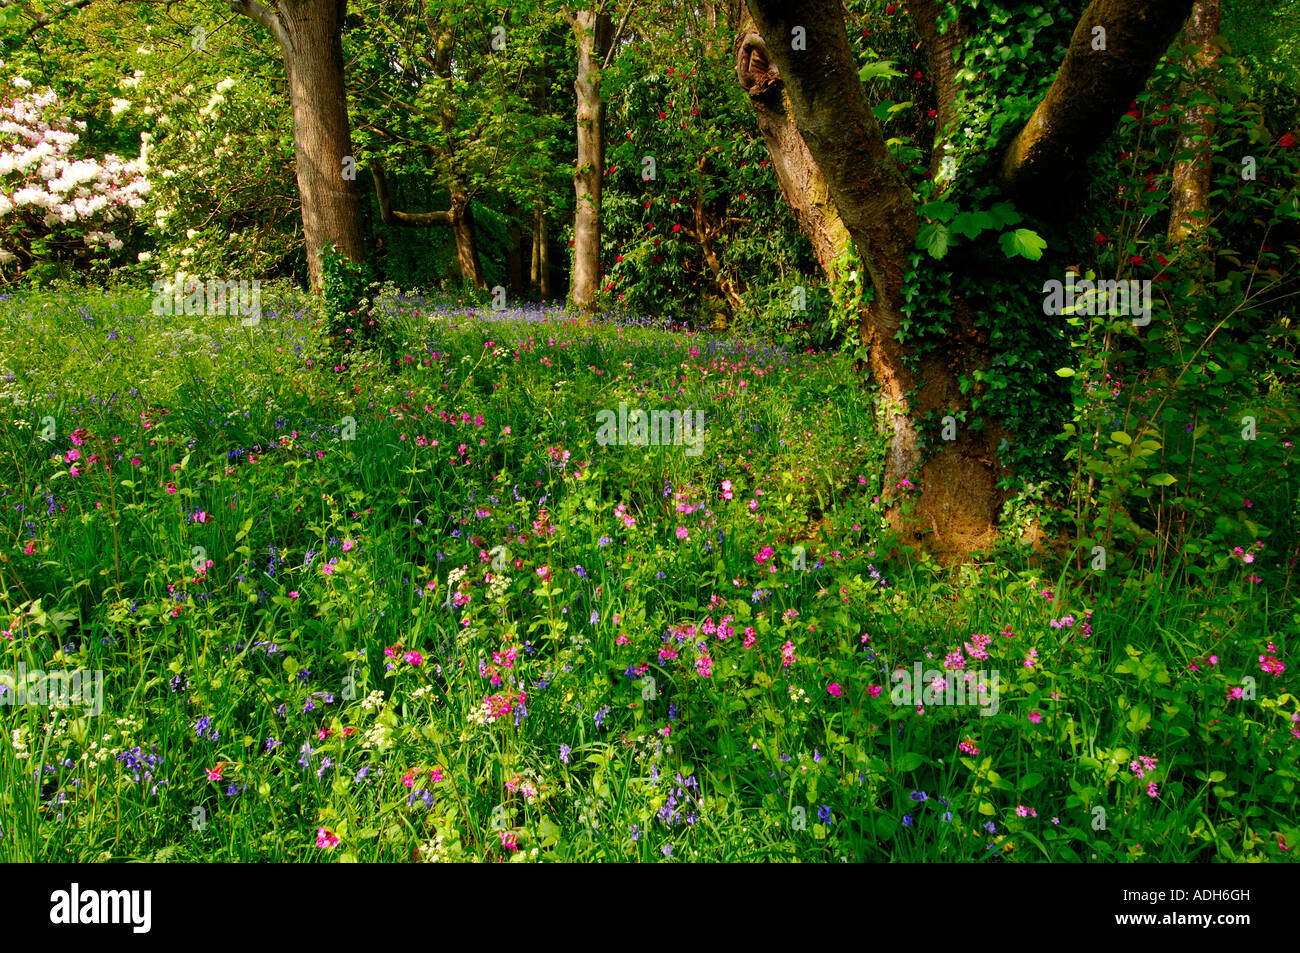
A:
310,34
836,171
594,32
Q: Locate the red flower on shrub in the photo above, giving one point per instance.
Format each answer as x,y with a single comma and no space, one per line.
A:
1287,141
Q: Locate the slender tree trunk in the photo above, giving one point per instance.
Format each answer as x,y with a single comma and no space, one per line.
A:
594,33
310,34
1193,176
541,242
940,50
514,258
535,266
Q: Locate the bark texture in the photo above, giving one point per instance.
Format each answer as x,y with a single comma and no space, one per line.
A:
594,33
1193,176
310,34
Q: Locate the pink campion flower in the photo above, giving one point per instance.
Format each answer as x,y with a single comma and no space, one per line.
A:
1140,769
875,690
668,653
954,661
30,549
214,774
171,488
325,839
74,472
622,640
1031,659
704,665
750,636
1234,693
1152,790
72,455
787,654
435,775
968,747
1035,716
834,689
1273,666
327,570
347,545
544,572
726,490
1023,811
413,658
683,533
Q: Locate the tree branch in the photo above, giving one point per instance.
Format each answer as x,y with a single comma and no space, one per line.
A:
45,19
1092,89
409,219
618,33
268,18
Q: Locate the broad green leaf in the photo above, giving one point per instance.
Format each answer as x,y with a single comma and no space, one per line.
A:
1023,242
933,238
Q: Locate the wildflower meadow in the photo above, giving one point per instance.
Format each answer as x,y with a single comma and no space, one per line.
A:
754,432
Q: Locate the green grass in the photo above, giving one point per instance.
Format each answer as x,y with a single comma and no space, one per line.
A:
256,450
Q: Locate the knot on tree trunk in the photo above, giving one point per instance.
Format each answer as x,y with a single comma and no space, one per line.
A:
757,73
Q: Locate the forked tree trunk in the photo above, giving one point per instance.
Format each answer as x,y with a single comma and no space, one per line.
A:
1193,176
833,165
310,34
594,32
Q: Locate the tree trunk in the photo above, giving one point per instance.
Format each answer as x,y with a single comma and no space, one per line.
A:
543,251
866,195
535,265
1193,176
462,227
514,257
594,32
310,34
802,184
940,48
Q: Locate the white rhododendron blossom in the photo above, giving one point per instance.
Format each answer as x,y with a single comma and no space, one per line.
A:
51,197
